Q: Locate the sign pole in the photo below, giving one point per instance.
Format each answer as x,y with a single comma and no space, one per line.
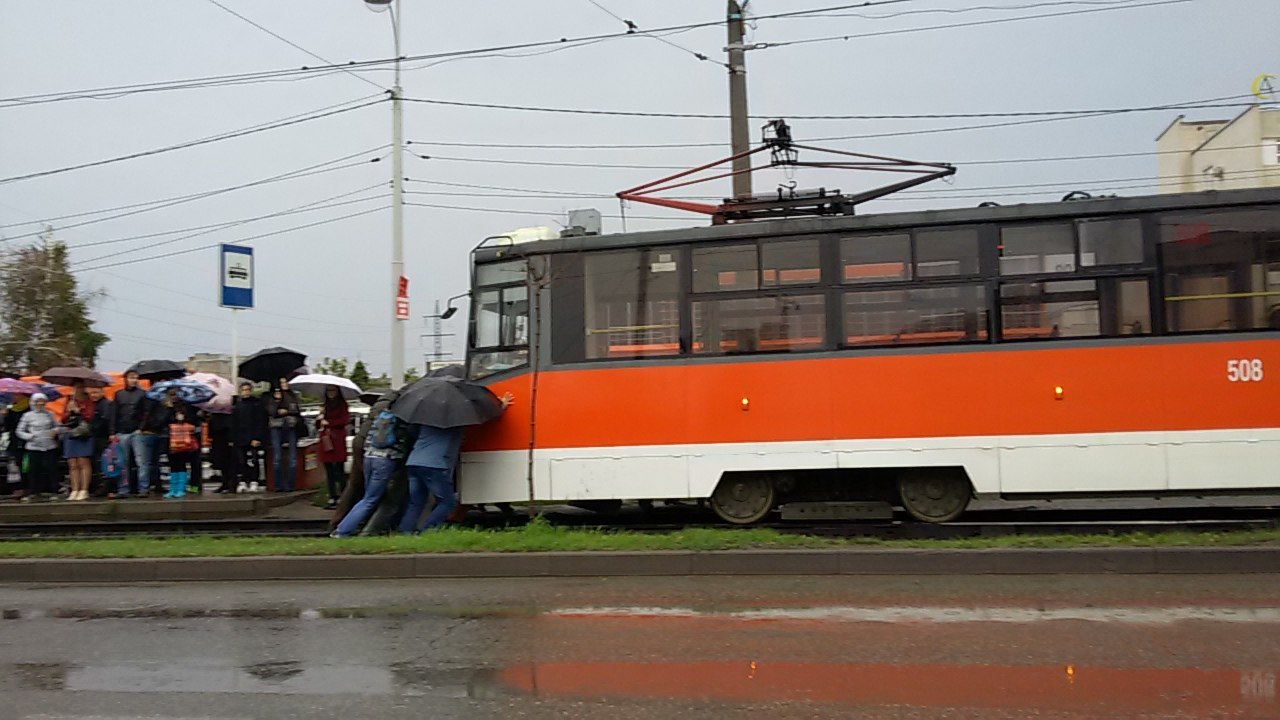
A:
235,346
236,278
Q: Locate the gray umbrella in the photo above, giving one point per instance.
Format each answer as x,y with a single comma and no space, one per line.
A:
446,402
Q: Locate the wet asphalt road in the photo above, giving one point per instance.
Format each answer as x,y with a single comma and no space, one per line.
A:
921,647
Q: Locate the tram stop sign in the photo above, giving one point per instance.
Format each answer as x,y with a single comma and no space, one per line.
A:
236,277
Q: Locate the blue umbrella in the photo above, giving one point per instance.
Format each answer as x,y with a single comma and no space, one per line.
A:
189,391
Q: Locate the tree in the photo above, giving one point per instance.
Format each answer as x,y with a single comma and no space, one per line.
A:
332,366
360,374
44,317
411,374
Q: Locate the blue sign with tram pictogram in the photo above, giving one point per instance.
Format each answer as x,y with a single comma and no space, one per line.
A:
236,277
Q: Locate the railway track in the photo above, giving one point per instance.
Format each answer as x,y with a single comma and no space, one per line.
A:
985,524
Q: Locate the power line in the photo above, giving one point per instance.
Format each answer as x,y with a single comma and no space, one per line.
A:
791,116
550,163
163,203
187,251
309,207
973,8
286,122
632,28
109,92
975,23
509,211
293,44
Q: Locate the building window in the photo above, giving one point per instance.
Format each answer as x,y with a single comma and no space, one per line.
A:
632,304
1221,270
953,251
1060,308
1034,249
1110,242
789,323
875,258
916,316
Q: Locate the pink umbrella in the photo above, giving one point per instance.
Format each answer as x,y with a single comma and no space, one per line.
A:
224,392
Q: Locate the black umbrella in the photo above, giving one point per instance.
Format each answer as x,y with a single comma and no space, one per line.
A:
158,370
271,364
446,402
454,371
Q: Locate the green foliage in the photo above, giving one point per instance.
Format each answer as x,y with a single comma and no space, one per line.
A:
411,374
331,366
44,317
360,375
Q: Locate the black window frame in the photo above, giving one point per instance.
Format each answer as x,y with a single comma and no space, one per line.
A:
473,321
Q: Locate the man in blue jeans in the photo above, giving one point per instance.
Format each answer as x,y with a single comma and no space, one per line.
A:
430,467
127,412
379,465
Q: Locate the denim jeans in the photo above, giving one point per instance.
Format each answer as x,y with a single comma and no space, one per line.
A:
437,482
144,449
126,457
377,474
284,443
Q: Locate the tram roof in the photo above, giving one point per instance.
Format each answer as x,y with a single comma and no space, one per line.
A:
921,218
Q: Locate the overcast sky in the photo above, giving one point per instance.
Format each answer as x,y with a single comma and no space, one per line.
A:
324,289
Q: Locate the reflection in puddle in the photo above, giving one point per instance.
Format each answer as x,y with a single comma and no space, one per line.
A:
975,686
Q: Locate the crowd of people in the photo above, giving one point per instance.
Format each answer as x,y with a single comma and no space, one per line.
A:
114,448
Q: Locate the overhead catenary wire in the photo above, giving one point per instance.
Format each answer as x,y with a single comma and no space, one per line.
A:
293,44
324,204
264,127
186,251
635,29
152,205
270,75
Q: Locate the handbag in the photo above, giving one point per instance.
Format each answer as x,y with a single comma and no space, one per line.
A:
81,430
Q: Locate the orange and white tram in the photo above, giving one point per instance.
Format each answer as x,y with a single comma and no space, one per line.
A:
1080,348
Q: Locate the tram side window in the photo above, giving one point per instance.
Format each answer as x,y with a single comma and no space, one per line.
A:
1111,241
790,262
1060,308
875,258
1221,269
916,316
1034,249
953,251
726,267
632,304
789,323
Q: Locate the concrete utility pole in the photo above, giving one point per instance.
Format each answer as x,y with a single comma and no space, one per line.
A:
740,131
397,209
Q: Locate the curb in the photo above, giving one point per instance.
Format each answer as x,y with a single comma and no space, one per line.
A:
1076,561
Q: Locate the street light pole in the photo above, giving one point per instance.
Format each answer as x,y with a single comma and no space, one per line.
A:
397,209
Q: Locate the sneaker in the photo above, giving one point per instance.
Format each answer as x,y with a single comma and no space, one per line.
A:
254,487
332,504
242,487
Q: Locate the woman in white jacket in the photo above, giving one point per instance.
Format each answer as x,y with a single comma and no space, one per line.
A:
39,430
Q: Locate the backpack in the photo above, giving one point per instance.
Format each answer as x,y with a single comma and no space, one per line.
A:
110,462
383,435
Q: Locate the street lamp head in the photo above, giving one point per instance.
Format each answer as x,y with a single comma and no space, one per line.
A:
448,312
378,5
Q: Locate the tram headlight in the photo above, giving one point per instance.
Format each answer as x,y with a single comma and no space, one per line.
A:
1057,392
746,404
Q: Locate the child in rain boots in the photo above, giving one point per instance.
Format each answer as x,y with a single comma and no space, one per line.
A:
184,453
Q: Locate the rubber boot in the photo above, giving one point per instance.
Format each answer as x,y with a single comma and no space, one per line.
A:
177,485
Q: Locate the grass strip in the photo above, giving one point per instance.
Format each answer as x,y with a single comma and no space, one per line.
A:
541,537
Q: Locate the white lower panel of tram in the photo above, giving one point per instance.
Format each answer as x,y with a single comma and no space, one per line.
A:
1207,460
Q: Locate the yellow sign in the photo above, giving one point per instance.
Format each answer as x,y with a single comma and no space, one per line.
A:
1264,87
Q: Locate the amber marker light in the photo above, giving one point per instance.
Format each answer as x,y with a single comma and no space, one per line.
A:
746,404
1057,392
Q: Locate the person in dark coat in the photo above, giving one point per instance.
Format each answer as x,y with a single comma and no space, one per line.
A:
221,451
17,446
284,418
333,442
101,426
248,433
126,417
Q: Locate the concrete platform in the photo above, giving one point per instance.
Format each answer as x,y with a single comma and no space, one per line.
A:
202,507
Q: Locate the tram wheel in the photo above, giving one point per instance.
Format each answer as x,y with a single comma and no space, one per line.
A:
934,495
743,498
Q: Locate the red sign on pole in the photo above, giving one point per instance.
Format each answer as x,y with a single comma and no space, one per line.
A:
402,299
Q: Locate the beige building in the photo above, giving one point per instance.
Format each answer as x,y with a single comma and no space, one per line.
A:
1220,154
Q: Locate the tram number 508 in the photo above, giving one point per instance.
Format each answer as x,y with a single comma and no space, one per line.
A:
1244,370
